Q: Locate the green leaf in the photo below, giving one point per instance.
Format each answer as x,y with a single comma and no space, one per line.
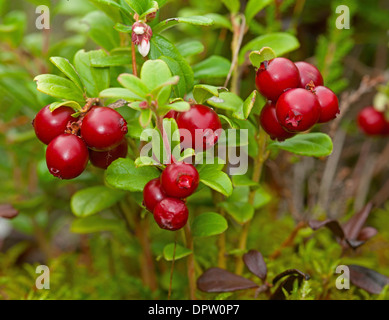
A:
227,101
68,69
145,161
101,30
110,7
280,42
58,87
190,48
180,88
139,6
212,67
119,93
208,224
123,28
134,84
95,224
123,174
155,73
162,47
180,106
245,108
73,104
216,180
253,7
93,200
94,79
181,252
219,20
242,212
145,117
243,180
111,61
232,5
265,54
311,144
194,20
203,92
261,198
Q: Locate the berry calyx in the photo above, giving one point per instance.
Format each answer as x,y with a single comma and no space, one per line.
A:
308,72
275,76
50,124
66,156
180,180
153,194
199,127
270,124
172,114
297,110
171,214
102,159
329,104
103,128
371,121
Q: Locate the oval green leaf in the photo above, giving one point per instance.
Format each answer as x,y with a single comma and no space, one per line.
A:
208,224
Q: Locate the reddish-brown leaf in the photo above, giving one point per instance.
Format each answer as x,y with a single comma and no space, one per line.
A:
8,211
354,225
255,263
367,279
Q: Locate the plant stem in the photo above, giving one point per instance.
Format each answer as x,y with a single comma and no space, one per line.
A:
172,267
216,197
190,263
258,166
133,53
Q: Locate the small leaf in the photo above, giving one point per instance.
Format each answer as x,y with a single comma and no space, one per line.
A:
94,224
134,84
68,69
367,279
253,7
72,104
354,225
119,93
242,212
155,73
145,161
93,200
265,54
111,61
7,211
232,5
226,101
255,99
255,263
220,280
181,252
203,92
212,67
311,144
216,180
332,225
194,20
190,48
208,224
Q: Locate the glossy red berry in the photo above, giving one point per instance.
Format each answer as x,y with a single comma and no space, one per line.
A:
103,128
102,159
171,214
329,104
153,194
270,124
275,76
371,121
49,125
308,72
298,110
199,127
66,156
180,180
172,114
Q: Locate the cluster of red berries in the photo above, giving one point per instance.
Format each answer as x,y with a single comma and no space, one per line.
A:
297,98
373,122
165,196
98,135
202,124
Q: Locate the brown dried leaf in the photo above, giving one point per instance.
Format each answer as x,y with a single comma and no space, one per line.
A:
291,272
255,263
354,225
333,225
367,233
367,279
220,280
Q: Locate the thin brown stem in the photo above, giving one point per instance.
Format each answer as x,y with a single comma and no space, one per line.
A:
133,53
172,267
190,263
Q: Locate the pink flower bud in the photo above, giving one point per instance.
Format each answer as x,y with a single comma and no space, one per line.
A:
144,47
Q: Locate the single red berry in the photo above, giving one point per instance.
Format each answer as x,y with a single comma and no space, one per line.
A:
171,214
172,114
275,76
297,110
102,159
180,180
308,72
200,127
371,121
49,125
66,156
103,128
270,124
153,194
329,104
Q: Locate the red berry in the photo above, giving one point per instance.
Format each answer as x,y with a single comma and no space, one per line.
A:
171,214
180,180
66,156
276,76
270,124
329,104
297,110
371,121
102,159
49,125
308,72
172,114
203,125
103,128
153,194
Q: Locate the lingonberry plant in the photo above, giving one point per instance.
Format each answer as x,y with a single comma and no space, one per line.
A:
202,163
